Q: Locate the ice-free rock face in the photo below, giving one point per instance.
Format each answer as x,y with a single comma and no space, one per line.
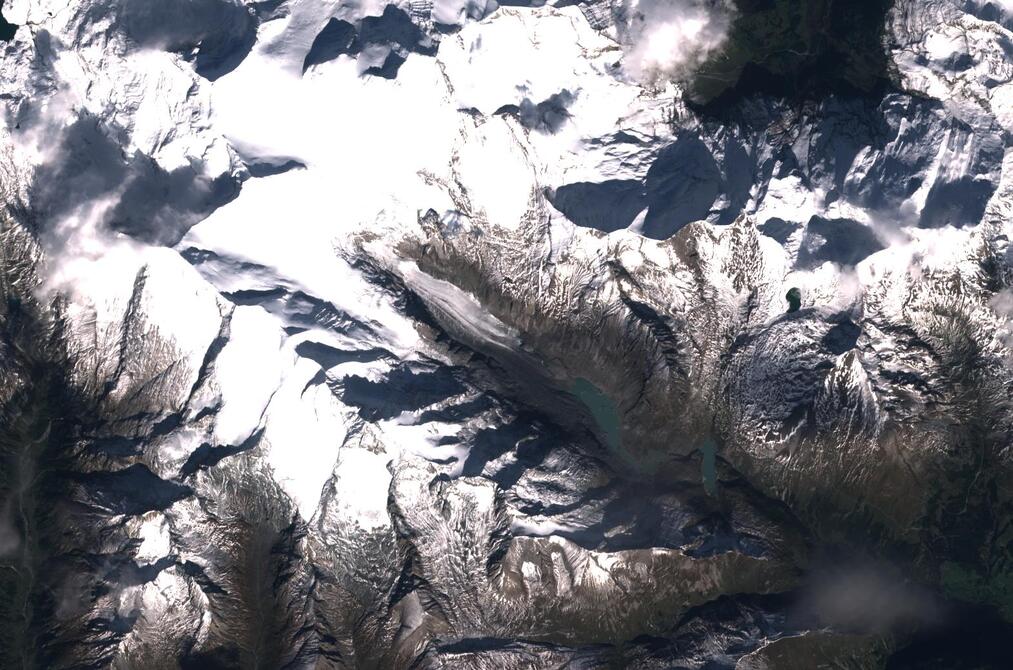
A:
457,335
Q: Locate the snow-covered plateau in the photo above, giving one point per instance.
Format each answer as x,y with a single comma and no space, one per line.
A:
450,334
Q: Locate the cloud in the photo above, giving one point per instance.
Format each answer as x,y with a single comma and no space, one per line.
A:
93,204
152,204
668,39
865,596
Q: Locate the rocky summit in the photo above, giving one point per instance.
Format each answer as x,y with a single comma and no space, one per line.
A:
456,334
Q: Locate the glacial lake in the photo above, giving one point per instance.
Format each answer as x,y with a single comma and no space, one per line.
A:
609,424
602,409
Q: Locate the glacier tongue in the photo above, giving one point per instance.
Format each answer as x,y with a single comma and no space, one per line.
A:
303,300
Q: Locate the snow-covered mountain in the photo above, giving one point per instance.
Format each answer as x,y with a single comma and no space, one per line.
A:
445,334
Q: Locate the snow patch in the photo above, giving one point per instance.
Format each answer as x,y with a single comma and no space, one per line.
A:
304,431
362,481
249,370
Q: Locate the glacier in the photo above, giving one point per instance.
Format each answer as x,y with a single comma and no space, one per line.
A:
457,334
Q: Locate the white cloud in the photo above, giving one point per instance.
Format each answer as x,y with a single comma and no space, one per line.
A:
1002,303
666,39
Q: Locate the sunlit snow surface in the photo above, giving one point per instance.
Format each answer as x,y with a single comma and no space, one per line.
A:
376,152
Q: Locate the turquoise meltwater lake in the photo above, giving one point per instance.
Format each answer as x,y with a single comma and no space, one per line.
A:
602,409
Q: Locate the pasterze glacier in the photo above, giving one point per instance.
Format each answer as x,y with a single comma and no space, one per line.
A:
506,335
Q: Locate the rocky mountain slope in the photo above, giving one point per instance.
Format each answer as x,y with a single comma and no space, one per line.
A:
455,335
